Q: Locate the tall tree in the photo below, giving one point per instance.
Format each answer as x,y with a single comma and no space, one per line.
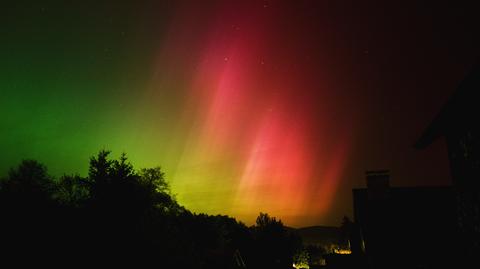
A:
29,180
275,244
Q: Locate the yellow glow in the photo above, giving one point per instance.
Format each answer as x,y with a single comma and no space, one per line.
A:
342,251
302,266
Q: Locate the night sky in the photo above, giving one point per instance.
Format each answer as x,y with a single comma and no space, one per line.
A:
248,106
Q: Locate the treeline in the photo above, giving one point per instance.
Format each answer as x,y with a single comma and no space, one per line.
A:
118,215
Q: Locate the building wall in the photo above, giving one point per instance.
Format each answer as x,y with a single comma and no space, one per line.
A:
464,154
411,227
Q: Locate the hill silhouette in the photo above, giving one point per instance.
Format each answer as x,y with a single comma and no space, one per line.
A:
320,235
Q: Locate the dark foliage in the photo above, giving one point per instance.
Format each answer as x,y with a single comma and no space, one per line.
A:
119,216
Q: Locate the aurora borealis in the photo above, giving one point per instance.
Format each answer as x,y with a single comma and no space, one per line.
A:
249,137
248,106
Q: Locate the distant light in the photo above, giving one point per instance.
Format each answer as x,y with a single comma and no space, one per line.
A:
342,251
301,266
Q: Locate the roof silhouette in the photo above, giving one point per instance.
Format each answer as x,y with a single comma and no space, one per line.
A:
458,114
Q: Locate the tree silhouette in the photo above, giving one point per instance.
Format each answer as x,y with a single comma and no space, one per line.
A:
100,166
120,214
154,178
346,229
276,245
122,169
71,190
301,259
26,207
29,178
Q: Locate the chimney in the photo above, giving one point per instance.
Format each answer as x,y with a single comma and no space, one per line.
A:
378,183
